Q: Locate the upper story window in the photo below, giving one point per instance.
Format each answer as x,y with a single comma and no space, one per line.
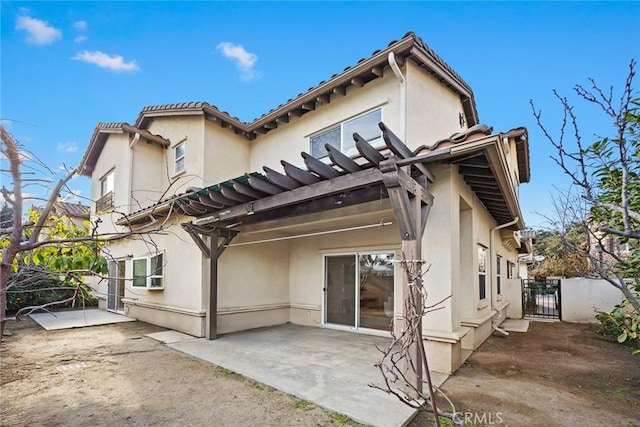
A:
341,135
107,183
178,152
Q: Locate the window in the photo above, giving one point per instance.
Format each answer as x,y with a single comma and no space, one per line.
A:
178,152
341,136
107,183
482,272
148,272
498,275
359,290
511,270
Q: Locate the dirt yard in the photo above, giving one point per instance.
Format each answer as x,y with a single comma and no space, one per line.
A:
113,375
556,374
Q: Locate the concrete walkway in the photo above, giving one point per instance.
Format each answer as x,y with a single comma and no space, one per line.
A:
77,319
327,367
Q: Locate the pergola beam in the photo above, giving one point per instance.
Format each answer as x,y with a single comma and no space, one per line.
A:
340,184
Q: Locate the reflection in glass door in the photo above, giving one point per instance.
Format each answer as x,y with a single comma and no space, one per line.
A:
340,274
368,305
376,291
115,285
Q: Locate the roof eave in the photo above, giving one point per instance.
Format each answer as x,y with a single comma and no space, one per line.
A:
344,78
99,139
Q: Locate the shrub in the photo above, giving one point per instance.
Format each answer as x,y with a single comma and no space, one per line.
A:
43,292
622,324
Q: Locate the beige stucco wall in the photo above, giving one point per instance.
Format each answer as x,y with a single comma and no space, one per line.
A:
224,155
115,157
582,298
190,131
287,142
432,109
271,283
149,175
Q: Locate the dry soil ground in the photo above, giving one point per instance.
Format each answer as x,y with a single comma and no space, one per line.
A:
555,375
113,375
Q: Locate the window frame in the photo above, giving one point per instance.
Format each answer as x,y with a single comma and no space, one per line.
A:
499,274
482,272
107,178
177,158
351,151
511,269
149,275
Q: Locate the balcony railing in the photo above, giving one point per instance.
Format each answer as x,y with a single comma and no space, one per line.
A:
105,202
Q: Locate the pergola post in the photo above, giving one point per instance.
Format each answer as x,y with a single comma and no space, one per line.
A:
411,215
212,302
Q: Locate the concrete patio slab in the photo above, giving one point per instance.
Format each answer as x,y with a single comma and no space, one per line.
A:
332,369
77,319
515,325
170,337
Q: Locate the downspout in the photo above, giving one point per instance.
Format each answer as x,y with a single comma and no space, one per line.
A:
403,94
492,256
136,138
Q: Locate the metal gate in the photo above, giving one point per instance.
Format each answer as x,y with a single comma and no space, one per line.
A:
541,298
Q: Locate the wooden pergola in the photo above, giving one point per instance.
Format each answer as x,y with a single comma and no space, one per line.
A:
220,210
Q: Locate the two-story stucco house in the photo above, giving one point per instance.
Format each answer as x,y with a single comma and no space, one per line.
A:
252,233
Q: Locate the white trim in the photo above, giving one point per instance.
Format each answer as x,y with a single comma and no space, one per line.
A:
176,159
346,119
253,308
148,274
448,337
364,331
163,307
355,328
340,126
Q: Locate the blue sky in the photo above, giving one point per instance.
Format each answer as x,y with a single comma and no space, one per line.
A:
68,65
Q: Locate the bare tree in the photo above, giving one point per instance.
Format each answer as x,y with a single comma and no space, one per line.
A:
605,176
23,236
400,364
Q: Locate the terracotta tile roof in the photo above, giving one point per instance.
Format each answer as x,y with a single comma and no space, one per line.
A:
71,210
409,45
99,138
364,71
77,210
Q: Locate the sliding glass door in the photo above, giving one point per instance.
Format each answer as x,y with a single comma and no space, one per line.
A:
359,290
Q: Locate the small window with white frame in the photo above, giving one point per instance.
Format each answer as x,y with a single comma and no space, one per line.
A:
498,274
178,152
341,135
482,272
148,272
511,270
107,183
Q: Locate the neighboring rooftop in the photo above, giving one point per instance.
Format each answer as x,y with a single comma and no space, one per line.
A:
71,210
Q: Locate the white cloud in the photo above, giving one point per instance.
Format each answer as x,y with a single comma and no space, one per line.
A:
103,60
72,196
80,25
244,60
38,32
68,147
